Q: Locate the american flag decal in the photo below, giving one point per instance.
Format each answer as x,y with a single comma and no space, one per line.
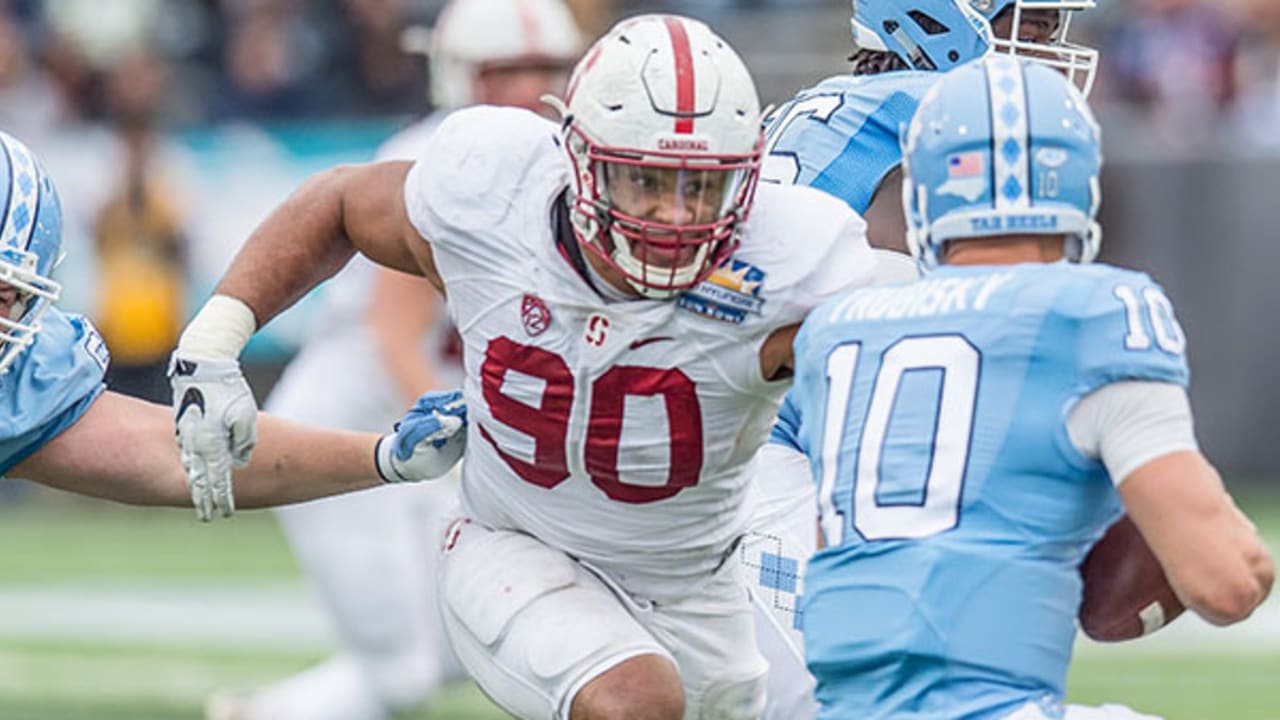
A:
964,165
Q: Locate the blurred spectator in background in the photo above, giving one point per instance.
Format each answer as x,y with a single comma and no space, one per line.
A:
1172,61
273,61
1257,109
384,339
379,75
139,237
30,104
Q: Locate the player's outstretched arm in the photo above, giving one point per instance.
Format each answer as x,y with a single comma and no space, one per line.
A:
122,449
1209,549
302,242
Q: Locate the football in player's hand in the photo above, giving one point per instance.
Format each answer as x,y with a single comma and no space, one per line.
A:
1126,593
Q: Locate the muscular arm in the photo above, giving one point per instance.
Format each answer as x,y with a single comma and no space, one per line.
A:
1209,550
122,449
314,232
401,310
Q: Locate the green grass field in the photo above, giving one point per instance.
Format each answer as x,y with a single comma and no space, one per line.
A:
87,546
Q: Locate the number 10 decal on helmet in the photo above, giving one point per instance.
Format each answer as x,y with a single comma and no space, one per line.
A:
662,129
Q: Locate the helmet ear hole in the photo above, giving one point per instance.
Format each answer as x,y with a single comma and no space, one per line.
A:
928,23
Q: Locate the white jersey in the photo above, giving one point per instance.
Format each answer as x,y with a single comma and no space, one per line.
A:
341,355
614,431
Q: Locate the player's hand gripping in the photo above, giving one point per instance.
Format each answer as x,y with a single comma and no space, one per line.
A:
216,419
427,441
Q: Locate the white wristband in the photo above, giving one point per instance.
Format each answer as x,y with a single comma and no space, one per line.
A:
219,331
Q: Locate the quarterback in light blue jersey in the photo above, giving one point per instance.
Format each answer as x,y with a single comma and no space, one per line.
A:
972,433
843,136
61,427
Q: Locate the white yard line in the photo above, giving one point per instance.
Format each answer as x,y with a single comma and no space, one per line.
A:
254,617
287,617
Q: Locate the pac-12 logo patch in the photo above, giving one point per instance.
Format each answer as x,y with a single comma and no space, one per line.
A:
729,294
535,315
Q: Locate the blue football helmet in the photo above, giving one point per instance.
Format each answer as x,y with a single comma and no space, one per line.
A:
1078,62
925,34
30,246
1002,146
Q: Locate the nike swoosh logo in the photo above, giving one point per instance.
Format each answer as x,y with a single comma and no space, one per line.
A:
637,344
184,368
191,397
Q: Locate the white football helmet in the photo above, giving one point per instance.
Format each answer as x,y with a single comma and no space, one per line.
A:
662,128
470,34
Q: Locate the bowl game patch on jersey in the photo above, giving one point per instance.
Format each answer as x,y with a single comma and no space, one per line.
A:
729,294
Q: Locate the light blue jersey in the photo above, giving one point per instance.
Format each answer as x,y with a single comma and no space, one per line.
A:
955,508
50,385
843,135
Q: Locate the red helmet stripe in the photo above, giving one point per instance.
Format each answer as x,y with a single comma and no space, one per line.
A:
529,28
685,102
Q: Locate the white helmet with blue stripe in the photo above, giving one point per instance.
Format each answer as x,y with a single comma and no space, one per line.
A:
1051,47
30,246
1002,146
935,35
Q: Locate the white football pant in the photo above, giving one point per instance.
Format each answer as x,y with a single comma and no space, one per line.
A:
533,626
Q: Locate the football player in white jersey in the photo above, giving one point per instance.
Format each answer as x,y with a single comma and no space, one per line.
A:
61,427
626,296
372,557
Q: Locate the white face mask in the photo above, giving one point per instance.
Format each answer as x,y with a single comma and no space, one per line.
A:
32,296
1078,62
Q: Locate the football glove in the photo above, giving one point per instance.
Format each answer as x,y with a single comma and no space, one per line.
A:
427,441
216,420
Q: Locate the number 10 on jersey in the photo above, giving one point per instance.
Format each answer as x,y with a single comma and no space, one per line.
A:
952,411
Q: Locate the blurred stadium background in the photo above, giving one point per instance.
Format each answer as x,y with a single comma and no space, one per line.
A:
172,126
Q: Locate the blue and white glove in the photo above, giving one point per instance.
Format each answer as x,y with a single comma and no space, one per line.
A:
427,441
216,419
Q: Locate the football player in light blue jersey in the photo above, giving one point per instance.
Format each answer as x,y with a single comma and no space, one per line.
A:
973,432
59,425
843,136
